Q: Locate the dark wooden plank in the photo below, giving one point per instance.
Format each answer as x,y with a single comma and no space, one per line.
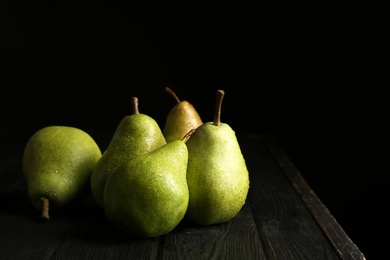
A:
235,239
334,232
275,223
286,227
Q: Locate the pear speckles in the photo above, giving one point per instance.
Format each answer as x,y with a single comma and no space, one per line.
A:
181,118
217,175
156,199
68,180
147,180
135,134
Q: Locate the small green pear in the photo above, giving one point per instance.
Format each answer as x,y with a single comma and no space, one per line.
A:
135,134
148,195
217,175
57,165
181,119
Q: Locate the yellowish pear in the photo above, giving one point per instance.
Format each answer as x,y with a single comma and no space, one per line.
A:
181,118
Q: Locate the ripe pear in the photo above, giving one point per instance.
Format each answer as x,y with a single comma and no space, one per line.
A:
180,119
57,165
217,175
148,195
135,134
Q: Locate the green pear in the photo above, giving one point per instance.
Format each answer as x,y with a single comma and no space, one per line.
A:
57,166
135,134
148,196
180,119
217,175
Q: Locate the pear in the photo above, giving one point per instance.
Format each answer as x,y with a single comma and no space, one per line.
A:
217,175
57,166
180,119
135,134
148,196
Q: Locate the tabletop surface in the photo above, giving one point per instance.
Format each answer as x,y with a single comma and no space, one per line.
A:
281,219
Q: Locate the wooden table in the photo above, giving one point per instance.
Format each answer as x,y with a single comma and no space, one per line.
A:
282,218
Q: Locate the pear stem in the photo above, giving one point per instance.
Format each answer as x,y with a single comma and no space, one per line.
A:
134,102
188,135
45,209
218,107
172,93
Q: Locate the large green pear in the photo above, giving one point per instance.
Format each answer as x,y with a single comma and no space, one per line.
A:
148,196
135,134
217,175
57,165
180,119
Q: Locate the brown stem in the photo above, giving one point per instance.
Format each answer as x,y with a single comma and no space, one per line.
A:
45,209
134,102
188,135
173,94
218,107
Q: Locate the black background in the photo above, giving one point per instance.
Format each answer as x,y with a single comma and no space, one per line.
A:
312,76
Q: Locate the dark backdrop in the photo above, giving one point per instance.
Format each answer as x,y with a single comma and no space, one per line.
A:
309,75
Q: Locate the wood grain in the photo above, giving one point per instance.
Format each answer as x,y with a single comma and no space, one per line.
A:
281,219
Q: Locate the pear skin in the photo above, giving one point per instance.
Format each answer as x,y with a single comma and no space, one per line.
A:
181,119
57,165
135,134
148,196
217,175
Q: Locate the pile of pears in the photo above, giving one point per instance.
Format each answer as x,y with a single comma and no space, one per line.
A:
148,179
